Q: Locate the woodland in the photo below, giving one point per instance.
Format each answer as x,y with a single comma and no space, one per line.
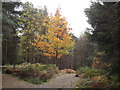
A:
37,45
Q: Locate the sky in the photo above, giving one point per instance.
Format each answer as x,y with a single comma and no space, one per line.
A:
72,10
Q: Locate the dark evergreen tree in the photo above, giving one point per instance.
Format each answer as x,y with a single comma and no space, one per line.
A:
105,21
9,27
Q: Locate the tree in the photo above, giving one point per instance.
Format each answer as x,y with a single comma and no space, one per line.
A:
31,25
9,36
84,51
57,40
105,22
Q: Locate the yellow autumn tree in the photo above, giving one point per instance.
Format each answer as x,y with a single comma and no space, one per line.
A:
57,41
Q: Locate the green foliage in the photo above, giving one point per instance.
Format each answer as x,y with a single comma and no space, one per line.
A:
9,35
40,71
32,72
114,81
84,51
31,24
106,31
90,72
83,83
96,78
34,80
105,81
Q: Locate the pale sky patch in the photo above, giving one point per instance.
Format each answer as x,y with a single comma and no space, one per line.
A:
72,10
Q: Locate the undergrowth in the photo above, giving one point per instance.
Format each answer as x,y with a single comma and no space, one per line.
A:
96,78
33,73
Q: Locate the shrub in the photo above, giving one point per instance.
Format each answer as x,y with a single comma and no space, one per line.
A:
27,70
97,78
84,82
104,82
34,80
114,83
88,72
67,71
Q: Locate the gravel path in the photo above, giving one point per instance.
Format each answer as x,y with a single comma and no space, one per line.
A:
63,81
8,81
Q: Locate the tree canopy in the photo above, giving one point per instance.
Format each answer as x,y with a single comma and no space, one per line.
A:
57,40
105,22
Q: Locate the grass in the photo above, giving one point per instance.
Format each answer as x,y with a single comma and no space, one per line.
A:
30,79
34,80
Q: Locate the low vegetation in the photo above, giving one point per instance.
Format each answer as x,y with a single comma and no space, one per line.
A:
88,72
33,73
67,71
41,37
96,78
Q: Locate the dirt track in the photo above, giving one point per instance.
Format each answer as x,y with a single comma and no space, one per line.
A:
64,81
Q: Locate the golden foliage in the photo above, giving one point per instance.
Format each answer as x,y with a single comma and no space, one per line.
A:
96,63
67,71
57,40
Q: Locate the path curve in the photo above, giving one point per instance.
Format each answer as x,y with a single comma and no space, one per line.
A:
63,81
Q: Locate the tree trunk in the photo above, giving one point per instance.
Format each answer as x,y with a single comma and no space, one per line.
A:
60,63
56,58
6,53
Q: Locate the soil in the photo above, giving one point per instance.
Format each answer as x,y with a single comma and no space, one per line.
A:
62,81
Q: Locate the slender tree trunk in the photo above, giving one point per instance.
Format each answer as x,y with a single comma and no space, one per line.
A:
71,62
6,53
56,58
47,61
60,63
26,55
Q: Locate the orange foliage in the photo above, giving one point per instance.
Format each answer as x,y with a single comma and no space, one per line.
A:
67,71
96,63
57,40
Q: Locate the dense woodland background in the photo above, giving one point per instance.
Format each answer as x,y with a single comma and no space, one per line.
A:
101,41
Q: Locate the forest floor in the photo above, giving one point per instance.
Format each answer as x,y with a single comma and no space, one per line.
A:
62,81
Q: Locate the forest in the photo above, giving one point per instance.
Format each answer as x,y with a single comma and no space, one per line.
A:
36,45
